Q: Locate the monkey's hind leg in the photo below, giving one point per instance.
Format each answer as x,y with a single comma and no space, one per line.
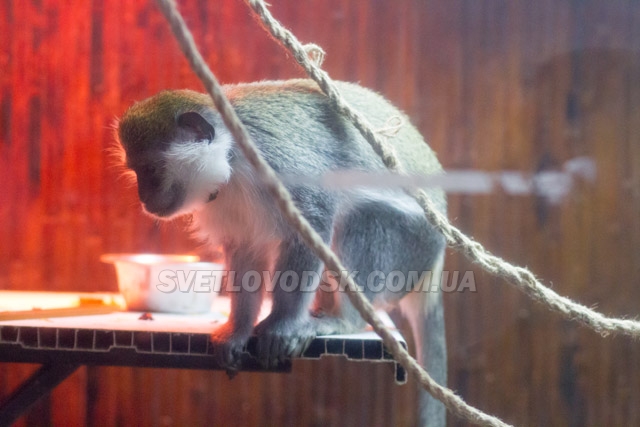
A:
385,243
385,247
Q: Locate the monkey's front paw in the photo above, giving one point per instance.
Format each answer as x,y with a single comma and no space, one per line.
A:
228,346
282,339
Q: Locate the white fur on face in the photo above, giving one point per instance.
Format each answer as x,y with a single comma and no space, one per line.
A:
200,167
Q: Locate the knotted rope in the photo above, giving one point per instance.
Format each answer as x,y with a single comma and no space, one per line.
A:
456,238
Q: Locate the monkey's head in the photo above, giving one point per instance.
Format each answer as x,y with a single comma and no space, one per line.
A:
178,148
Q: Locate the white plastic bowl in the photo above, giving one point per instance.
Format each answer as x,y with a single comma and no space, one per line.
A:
166,283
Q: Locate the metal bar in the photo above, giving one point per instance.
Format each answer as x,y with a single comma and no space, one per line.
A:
33,389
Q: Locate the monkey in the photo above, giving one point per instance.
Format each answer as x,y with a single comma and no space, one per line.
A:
186,163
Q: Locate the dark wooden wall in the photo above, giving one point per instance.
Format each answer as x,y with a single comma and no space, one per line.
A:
492,84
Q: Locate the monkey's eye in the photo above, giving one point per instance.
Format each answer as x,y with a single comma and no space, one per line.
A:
197,124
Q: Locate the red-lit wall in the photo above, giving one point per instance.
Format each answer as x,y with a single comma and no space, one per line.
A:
492,85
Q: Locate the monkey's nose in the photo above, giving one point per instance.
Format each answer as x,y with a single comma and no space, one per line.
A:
163,203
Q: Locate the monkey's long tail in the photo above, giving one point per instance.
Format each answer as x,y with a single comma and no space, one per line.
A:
424,311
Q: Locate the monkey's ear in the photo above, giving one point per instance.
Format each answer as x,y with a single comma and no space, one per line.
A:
199,125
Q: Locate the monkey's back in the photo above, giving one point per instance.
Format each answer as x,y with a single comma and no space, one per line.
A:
306,135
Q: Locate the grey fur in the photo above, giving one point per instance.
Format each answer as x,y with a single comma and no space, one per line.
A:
299,133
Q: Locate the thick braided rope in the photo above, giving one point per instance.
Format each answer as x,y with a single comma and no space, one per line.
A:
474,251
295,218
